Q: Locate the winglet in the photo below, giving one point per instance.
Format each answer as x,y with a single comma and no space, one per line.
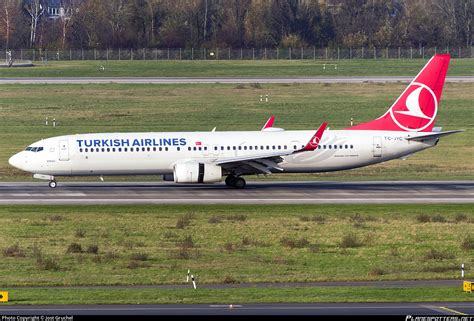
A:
269,122
314,141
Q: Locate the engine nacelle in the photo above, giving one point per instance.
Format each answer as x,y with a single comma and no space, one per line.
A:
197,173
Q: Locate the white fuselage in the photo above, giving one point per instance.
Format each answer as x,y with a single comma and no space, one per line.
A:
157,153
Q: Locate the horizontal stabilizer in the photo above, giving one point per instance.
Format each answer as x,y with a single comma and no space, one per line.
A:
435,135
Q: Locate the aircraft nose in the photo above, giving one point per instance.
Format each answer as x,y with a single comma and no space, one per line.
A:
15,161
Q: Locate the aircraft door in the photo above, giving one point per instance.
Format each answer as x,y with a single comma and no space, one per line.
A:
377,146
63,150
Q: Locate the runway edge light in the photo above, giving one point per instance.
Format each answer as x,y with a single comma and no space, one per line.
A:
3,296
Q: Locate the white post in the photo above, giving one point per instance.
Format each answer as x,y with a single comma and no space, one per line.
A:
54,122
46,123
261,98
187,276
352,121
194,282
462,270
266,98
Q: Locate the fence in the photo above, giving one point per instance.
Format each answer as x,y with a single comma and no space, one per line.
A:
238,54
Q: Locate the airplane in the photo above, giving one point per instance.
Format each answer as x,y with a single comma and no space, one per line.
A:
206,157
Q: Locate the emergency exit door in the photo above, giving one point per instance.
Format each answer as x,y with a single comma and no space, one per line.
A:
377,146
63,150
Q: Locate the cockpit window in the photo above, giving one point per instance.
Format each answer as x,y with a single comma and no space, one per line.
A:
34,149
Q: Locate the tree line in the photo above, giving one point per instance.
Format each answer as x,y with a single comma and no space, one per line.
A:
234,23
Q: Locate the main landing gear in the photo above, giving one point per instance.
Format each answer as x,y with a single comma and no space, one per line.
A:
235,182
53,184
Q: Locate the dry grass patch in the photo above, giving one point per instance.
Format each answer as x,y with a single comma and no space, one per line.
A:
13,251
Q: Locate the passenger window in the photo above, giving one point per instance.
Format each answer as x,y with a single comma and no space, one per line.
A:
113,149
352,146
294,147
279,146
189,148
80,150
245,147
215,147
233,147
108,149
194,148
345,146
240,147
319,146
285,147
87,149
166,148
250,147
329,146
205,148
200,148
268,147
120,149
335,146
154,149
125,149
178,149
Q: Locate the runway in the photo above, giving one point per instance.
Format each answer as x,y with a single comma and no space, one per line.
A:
258,192
405,309
214,80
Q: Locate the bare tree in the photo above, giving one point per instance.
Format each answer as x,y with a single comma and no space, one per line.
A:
8,13
36,9
152,6
66,13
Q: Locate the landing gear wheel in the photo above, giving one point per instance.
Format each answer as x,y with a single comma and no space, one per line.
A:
230,181
239,183
53,184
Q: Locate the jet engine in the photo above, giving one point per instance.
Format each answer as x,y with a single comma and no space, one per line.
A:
197,173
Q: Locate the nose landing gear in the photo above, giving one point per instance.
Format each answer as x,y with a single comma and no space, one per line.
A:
53,184
235,182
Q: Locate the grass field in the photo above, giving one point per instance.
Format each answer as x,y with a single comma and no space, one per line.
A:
110,245
245,68
234,296
127,108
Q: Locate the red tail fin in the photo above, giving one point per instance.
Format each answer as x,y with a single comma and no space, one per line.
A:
416,108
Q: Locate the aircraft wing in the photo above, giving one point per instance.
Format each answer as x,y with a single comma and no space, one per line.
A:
266,162
434,135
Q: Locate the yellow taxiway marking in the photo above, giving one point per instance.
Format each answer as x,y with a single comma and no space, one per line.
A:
452,311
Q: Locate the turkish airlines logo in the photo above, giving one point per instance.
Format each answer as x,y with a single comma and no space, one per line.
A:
314,142
418,110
